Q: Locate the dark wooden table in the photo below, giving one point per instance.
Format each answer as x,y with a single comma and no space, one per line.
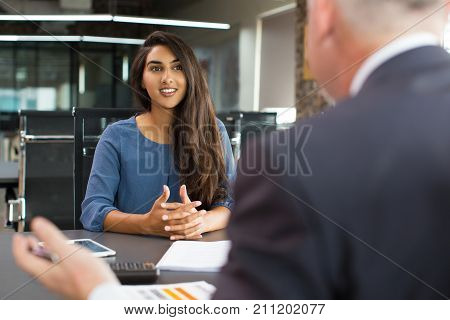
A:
15,284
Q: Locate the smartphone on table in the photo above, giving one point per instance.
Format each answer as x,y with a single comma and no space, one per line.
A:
97,249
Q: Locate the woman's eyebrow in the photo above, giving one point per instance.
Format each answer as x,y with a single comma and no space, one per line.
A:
159,62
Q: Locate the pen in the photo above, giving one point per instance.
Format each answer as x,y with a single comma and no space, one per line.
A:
42,252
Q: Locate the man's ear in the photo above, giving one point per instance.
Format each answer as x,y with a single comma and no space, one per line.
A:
325,11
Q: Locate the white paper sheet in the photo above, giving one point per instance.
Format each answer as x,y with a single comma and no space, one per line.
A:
200,290
196,256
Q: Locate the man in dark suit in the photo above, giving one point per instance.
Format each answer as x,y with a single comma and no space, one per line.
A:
354,203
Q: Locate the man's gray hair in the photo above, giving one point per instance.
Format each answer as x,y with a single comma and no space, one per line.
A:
389,17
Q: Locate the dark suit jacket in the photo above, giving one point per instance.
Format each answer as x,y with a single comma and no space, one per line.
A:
354,203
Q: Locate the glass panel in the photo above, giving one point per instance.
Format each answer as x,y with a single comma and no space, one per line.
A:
95,80
123,60
8,99
53,92
221,65
47,76
26,76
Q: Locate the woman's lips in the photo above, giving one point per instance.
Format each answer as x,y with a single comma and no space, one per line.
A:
168,92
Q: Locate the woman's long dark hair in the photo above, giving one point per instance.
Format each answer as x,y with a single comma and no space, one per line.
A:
195,136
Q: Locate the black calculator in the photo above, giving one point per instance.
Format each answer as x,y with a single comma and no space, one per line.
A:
135,272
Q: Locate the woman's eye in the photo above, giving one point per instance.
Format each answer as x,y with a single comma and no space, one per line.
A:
178,67
155,68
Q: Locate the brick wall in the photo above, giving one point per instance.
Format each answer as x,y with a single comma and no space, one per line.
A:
308,99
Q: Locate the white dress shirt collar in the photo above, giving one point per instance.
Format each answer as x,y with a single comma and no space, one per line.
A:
388,52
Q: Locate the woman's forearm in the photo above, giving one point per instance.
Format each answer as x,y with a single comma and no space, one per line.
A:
217,218
117,221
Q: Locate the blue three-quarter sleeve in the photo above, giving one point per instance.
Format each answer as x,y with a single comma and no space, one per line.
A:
229,167
103,182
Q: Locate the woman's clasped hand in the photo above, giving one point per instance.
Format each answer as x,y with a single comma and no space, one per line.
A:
175,220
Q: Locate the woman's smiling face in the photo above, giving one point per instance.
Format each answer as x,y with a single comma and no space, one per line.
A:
164,78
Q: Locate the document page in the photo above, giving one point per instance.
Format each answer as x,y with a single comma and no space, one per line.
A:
199,290
196,256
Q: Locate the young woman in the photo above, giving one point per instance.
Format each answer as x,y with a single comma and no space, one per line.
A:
166,171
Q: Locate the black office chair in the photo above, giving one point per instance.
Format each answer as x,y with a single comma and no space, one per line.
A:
9,121
9,129
45,174
88,126
254,124
242,126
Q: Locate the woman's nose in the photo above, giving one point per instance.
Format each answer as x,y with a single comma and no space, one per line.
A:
166,77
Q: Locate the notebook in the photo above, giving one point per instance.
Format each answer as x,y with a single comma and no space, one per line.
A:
195,256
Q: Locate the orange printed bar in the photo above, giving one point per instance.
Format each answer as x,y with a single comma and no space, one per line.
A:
172,294
186,294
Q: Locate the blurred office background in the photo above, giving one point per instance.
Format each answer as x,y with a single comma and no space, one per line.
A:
254,61
250,66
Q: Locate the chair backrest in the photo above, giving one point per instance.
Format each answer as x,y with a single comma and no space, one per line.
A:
242,126
45,174
9,121
89,124
257,123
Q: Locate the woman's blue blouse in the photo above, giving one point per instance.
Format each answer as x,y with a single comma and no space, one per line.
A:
129,171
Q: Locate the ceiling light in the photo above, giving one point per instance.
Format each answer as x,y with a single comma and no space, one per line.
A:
72,39
9,38
40,38
124,19
169,22
112,40
56,17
